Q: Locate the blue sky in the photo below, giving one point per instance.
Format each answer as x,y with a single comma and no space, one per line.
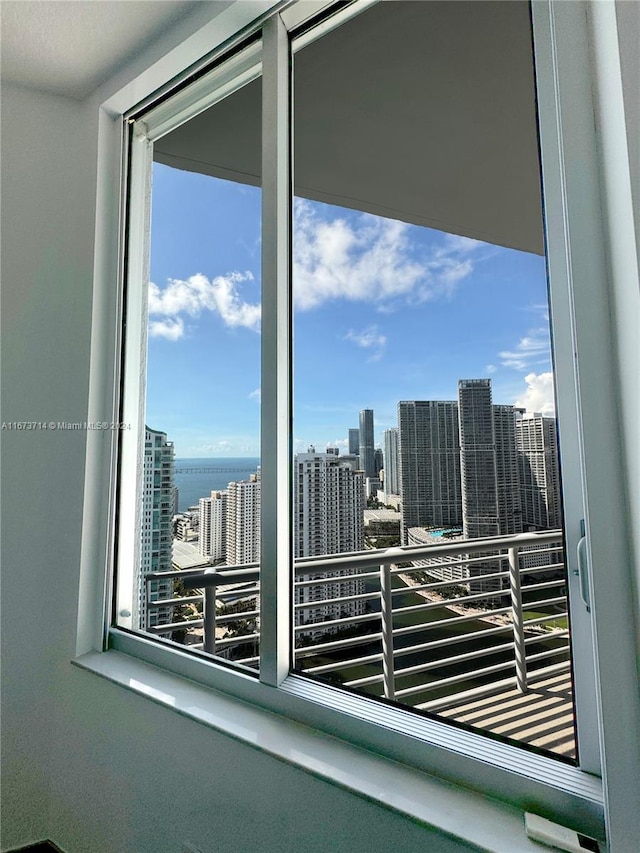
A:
384,311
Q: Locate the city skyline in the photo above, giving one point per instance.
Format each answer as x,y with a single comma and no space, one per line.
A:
384,311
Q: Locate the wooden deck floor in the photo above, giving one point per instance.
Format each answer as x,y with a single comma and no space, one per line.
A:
542,717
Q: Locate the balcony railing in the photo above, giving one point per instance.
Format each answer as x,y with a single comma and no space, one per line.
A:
427,626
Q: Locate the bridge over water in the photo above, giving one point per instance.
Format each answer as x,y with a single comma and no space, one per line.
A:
208,470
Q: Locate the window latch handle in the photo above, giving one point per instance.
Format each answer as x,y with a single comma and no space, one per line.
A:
583,568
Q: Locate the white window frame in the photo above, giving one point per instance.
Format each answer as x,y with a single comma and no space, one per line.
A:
568,38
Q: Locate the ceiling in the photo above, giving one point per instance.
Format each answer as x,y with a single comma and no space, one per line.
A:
69,47
418,111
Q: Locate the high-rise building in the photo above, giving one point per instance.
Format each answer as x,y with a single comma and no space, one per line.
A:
507,476
489,471
537,454
328,519
366,449
429,469
243,521
212,540
156,541
354,442
391,461
477,459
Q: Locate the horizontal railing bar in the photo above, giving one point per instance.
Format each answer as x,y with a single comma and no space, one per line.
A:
234,641
540,638
175,626
450,641
322,602
168,602
533,605
463,562
532,587
335,578
215,577
453,620
403,553
236,617
455,659
238,592
547,654
423,587
174,573
546,567
362,640
347,620
435,705
540,620
455,679
331,667
462,582
433,605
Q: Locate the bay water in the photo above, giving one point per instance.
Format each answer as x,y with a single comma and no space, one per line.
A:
197,478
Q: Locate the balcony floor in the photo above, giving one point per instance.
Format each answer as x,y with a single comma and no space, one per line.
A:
542,717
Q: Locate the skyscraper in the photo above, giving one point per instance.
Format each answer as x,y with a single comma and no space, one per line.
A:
391,461
477,459
156,535
243,521
507,476
354,442
488,466
366,448
328,519
429,456
537,454
212,540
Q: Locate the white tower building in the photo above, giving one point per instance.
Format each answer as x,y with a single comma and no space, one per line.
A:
391,462
156,536
213,526
243,521
537,452
329,507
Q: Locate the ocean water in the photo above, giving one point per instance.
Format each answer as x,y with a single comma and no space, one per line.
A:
194,482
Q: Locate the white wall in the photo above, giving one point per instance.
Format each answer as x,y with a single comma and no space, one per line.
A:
47,229
96,768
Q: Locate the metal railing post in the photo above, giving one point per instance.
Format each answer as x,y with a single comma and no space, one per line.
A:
516,616
209,613
386,614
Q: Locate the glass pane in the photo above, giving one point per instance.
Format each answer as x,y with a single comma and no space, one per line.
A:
198,579
423,395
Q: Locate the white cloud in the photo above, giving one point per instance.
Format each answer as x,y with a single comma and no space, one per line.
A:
539,394
368,258
532,349
171,329
197,294
342,443
256,395
491,368
463,244
369,338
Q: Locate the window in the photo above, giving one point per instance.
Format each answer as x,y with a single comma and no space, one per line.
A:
508,772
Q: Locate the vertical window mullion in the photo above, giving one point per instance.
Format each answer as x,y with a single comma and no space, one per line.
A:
134,373
275,557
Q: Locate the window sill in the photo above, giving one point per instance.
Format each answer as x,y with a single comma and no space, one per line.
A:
463,815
